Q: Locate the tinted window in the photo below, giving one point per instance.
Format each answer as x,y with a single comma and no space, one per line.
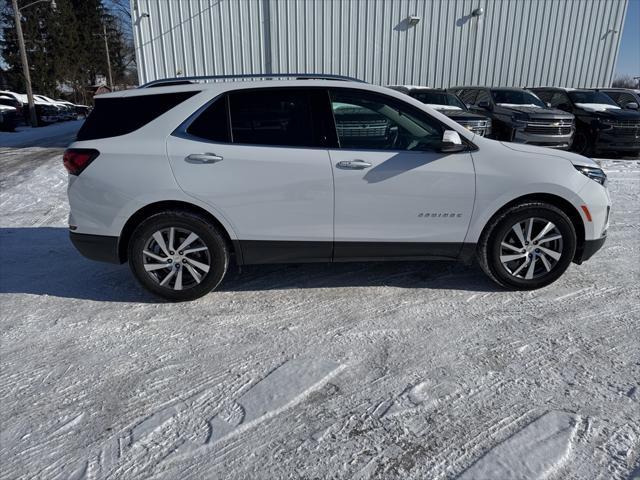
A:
545,96
625,98
121,115
612,95
483,96
278,116
516,97
468,96
371,121
560,99
587,96
213,123
438,98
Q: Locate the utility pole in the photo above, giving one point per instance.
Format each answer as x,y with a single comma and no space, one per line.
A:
25,65
33,118
106,48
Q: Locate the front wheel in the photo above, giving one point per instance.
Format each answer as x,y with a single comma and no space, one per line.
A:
581,143
178,255
527,246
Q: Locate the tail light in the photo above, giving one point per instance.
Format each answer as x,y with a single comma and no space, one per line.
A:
77,159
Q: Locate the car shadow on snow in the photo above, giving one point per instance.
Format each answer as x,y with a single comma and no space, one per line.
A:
42,261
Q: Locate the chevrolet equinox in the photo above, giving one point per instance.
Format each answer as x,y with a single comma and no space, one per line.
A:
317,169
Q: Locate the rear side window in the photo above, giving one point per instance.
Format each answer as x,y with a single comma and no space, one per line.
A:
213,123
276,116
112,117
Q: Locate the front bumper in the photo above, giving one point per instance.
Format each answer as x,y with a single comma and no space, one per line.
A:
562,142
622,143
589,249
101,248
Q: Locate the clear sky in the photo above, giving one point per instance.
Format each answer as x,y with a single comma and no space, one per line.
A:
629,56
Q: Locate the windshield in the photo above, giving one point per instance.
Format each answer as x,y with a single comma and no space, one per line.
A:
438,98
516,97
591,97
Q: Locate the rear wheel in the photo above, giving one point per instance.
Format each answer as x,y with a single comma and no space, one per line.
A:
528,246
178,255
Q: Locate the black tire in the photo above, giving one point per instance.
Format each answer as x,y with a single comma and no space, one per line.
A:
582,145
501,226
216,255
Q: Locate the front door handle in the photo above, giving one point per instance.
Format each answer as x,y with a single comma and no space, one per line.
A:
203,158
353,164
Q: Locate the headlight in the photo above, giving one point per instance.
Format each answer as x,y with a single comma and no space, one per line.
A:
593,173
606,124
518,121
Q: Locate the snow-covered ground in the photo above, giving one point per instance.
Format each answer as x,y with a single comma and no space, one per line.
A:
386,370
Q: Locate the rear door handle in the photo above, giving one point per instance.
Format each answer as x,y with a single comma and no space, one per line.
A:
203,158
353,164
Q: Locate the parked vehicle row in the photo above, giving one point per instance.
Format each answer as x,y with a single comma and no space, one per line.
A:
8,113
586,121
48,110
601,123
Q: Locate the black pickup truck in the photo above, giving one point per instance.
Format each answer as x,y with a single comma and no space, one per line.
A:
519,116
450,105
601,125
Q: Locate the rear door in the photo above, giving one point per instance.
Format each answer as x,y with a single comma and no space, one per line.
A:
396,195
259,158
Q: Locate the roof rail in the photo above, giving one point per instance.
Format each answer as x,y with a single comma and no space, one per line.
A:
297,76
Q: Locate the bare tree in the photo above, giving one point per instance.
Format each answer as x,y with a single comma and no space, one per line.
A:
626,81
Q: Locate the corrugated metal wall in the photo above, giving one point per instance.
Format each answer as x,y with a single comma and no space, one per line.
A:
516,42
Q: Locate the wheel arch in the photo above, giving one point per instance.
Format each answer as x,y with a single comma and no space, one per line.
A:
156,207
558,202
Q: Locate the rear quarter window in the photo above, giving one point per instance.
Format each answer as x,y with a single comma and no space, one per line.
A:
112,117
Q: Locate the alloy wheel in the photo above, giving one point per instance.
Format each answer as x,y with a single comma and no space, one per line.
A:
176,258
531,248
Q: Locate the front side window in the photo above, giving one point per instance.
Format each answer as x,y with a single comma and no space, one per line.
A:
625,98
370,121
559,99
275,116
483,96
468,96
516,97
444,99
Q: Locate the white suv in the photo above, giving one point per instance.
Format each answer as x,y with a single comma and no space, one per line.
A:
179,179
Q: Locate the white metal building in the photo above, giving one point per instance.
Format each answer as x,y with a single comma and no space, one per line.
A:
423,42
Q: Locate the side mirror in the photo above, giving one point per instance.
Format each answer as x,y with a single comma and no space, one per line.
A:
485,105
547,104
451,142
631,106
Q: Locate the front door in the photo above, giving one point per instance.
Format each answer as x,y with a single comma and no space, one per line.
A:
396,195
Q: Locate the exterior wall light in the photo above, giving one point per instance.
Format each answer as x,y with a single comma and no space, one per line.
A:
478,12
413,20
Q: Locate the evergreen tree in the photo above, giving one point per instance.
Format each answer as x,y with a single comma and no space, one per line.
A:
64,46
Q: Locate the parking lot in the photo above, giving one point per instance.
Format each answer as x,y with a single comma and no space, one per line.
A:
393,370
